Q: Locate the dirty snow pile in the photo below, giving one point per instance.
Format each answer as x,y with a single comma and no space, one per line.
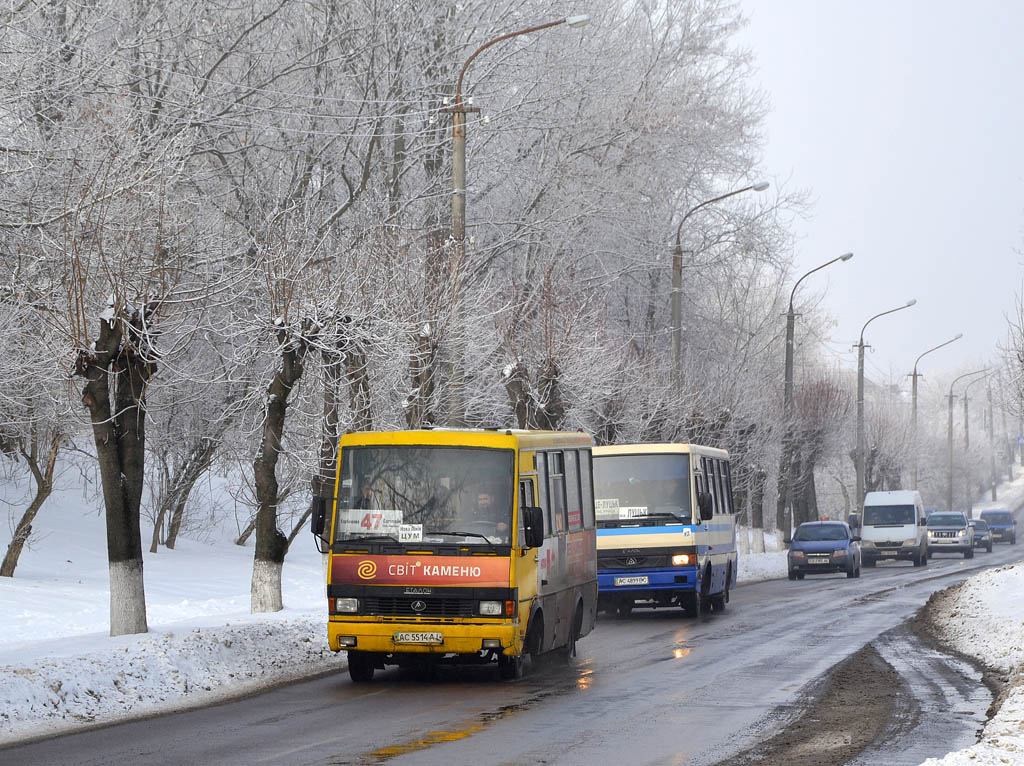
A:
983,617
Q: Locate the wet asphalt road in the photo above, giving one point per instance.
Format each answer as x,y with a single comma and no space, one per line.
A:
656,688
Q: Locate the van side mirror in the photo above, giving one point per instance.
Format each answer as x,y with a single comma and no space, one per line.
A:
318,517
853,521
705,503
922,522
533,525
787,541
855,539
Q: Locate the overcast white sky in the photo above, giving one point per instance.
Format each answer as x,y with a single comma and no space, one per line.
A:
904,122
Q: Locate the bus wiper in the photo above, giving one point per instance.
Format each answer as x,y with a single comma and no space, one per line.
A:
662,515
361,538
463,534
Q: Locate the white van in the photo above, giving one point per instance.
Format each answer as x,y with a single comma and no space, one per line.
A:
892,527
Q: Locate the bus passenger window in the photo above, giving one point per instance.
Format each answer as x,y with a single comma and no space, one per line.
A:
727,467
709,478
556,490
572,490
721,505
586,489
540,461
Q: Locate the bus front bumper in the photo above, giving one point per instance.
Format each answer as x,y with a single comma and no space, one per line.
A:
422,637
611,581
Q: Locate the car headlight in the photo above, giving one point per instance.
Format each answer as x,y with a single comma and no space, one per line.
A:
681,559
491,608
839,552
797,554
962,533
349,605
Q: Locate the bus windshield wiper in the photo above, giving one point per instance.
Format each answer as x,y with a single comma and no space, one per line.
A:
660,515
362,538
463,534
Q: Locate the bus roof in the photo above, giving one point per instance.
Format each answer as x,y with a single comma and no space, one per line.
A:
659,448
504,438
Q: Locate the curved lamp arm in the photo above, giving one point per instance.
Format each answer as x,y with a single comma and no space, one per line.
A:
906,305
572,21
759,186
958,336
843,257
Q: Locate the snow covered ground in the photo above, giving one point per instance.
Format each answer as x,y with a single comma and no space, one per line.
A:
59,670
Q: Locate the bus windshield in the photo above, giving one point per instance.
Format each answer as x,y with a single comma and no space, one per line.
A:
644,489
414,494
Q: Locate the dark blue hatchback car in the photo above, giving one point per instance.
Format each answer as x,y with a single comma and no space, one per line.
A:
820,547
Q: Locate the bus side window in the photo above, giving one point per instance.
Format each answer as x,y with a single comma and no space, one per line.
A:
587,489
728,486
541,462
709,480
572,490
556,490
525,500
720,505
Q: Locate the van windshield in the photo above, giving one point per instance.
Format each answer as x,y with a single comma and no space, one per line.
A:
888,515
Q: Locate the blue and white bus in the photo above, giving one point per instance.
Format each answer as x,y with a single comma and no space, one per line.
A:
666,532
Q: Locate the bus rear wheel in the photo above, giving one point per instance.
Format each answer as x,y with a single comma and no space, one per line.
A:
361,666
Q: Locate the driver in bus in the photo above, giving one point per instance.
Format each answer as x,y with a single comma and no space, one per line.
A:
364,501
485,511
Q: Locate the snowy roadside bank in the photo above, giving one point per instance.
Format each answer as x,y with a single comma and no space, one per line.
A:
172,668
983,617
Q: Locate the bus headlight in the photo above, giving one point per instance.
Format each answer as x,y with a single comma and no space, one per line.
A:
681,559
492,608
346,605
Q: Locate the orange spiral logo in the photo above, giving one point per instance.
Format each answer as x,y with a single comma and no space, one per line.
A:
366,570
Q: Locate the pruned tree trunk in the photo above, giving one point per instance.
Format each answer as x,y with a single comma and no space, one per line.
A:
43,477
418,405
757,511
271,543
120,437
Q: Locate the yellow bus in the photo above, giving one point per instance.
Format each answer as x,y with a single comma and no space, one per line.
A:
459,545
666,527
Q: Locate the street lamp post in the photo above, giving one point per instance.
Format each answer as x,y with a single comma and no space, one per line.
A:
677,272
913,407
786,469
459,110
949,438
860,399
967,443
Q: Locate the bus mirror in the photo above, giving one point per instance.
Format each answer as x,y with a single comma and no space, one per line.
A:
533,524
318,518
704,502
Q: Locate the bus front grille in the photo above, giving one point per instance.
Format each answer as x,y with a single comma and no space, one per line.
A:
632,562
404,606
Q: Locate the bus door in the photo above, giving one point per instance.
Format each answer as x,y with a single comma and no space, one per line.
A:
527,570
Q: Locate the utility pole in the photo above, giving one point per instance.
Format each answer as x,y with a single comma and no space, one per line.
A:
913,408
859,498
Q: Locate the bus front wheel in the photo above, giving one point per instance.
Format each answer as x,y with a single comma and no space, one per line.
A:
360,666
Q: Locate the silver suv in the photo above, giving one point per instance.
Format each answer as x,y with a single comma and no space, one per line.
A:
949,532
